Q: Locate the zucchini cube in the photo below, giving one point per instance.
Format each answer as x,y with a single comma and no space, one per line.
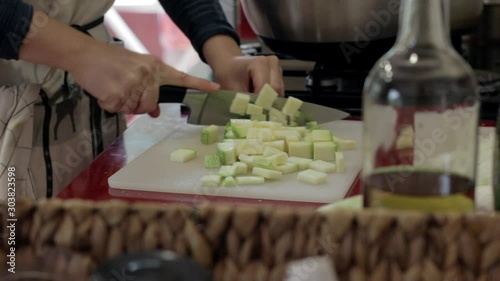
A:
301,149
324,151
239,104
266,97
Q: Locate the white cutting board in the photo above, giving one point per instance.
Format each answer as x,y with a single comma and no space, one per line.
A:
153,171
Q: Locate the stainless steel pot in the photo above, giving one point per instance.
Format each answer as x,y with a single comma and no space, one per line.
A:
330,21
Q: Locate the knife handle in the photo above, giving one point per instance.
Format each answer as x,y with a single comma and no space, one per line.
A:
172,94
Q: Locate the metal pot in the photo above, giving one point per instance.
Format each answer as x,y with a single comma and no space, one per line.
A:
336,21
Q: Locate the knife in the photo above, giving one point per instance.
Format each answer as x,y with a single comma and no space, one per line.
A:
213,108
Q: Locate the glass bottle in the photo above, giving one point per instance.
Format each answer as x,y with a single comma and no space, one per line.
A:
421,118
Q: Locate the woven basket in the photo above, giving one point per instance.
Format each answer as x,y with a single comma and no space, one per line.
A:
256,243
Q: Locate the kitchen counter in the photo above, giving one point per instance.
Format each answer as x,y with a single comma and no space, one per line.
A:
92,183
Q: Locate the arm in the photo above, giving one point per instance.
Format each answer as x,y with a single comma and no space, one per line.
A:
121,80
217,44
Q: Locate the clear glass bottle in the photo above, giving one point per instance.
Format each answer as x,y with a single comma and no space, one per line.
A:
421,118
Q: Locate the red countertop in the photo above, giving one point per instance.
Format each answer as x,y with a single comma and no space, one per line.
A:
92,183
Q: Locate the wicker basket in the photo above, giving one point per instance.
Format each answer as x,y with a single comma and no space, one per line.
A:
256,243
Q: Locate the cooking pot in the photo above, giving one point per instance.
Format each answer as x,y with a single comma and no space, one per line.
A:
307,23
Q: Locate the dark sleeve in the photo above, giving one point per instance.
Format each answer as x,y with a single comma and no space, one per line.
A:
199,20
15,20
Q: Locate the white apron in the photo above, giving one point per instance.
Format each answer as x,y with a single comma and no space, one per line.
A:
50,129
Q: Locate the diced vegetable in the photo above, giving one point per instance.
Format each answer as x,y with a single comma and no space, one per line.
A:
279,158
302,130
250,180
313,126
209,135
250,147
269,124
211,180
229,135
312,177
266,97
239,104
263,163
264,134
301,149
253,109
345,144
258,117
324,151
277,116
280,144
291,106
321,135
302,163
339,161
182,155
227,171
240,127
283,134
268,174
322,166
241,168
269,151
287,168
212,161
247,159
229,182
226,152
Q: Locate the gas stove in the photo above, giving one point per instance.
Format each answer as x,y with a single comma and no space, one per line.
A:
340,85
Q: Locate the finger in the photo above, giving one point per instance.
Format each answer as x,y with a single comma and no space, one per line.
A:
148,102
276,75
259,74
155,113
171,76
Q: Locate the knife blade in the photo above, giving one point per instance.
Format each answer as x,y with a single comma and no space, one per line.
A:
213,108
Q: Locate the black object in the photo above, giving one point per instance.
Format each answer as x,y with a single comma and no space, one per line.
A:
151,266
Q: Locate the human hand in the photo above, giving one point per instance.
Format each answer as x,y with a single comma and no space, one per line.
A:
127,82
249,74
237,72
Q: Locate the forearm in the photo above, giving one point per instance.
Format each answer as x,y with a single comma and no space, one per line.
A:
52,43
218,49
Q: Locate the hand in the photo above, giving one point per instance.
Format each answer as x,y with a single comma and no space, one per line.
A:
122,81
237,72
250,74
127,82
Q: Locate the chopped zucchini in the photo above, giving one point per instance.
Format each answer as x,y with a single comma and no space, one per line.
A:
227,171
266,97
302,130
269,124
239,104
301,149
279,158
229,182
302,163
250,147
229,135
279,144
264,134
339,161
283,134
287,168
241,168
312,177
211,180
182,155
269,151
212,161
346,144
240,127
253,109
292,106
268,174
258,117
263,163
322,166
226,152
209,135
250,180
277,116
324,151
247,159
321,135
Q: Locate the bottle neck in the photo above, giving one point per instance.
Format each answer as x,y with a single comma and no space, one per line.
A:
424,23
